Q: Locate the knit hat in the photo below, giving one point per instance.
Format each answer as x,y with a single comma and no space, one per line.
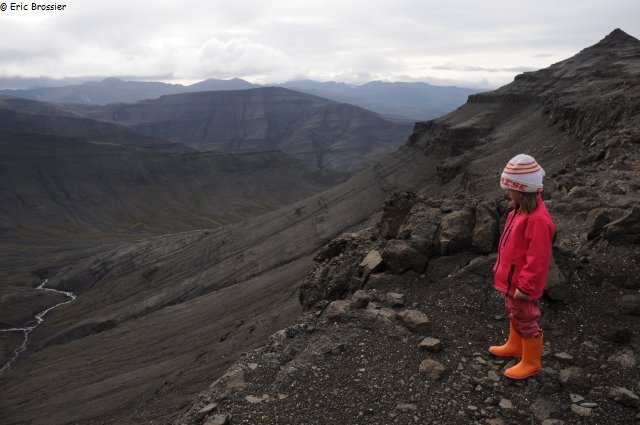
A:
523,174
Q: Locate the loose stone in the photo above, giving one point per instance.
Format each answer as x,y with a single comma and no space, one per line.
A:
576,398
407,407
202,413
581,411
563,356
431,344
624,396
218,420
505,404
432,369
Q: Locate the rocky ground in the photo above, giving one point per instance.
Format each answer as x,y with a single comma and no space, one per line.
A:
400,317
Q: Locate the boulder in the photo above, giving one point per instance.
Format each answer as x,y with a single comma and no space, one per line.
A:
204,412
598,218
482,266
384,315
431,344
415,320
218,420
420,227
456,232
372,263
432,369
359,299
394,299
334,248
624,396
573,378
396,207
580,410
485,232
442,267
337,308
625,358
329,280
399,256
556,288
624,230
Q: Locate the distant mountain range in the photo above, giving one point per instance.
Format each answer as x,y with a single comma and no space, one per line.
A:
324,133
184,161
413,101
403,101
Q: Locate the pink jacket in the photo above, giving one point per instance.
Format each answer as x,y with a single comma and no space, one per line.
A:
524,252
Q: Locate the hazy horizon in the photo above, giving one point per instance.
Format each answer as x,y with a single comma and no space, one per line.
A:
459,43
18,83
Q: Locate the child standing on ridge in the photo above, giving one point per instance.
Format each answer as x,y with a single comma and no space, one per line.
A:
520,272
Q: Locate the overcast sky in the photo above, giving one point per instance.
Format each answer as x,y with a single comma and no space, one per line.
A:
461,42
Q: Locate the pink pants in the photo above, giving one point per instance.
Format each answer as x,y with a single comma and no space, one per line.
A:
524,314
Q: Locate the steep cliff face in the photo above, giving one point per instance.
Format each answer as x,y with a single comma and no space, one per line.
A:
324,133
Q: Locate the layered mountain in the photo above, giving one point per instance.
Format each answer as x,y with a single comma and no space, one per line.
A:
402,100
20,116
62,188
319,131
112,90
157,322
399,100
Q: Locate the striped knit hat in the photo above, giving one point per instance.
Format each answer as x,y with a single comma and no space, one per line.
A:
523,174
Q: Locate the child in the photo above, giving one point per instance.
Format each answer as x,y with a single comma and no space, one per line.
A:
520,272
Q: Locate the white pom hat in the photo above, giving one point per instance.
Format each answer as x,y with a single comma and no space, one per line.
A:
523,174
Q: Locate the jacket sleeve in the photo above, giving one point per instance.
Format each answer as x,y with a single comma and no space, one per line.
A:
538,239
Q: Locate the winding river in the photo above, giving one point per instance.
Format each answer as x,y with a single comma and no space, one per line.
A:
39,318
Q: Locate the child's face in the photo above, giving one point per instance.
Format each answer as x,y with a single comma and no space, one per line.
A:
515,196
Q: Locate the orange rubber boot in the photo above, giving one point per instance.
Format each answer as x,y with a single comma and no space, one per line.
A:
531,361
513,346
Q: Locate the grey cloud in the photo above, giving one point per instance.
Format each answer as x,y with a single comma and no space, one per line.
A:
446,40
456,67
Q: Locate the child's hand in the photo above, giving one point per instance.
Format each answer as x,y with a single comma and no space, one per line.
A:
520,295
